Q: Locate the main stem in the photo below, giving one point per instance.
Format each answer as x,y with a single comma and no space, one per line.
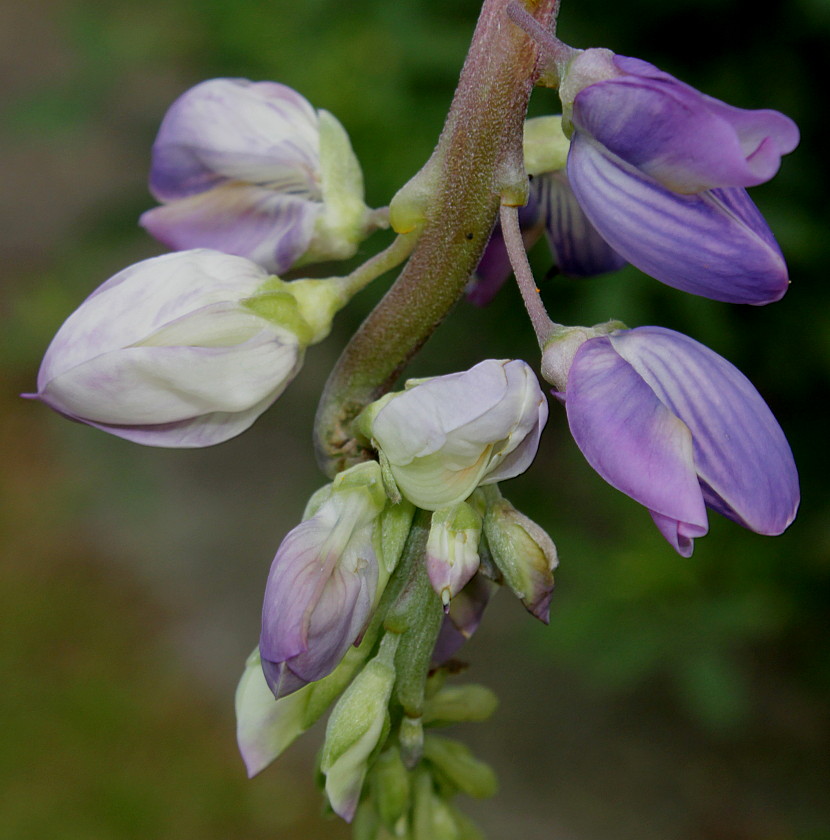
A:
478,159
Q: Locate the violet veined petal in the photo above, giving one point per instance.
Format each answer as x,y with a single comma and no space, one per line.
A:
578,249
742,458
273,229
322,584
707,244
631,439
680,535
752,126
685,140
235,130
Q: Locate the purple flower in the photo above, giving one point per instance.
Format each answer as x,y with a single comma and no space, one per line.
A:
676,427
250,168
660,169
323,582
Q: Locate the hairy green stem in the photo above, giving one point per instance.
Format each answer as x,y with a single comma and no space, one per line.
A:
478,160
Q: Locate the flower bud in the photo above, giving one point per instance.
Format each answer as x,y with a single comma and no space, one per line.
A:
411,739
524,554
355,728
457,763
679,429
460,704
390,787
324,583
440,438
184,350
250,168
265,727
431,818
452,549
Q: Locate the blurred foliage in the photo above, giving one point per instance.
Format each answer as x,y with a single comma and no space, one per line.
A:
733,640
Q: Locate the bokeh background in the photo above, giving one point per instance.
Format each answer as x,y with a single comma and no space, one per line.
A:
669,698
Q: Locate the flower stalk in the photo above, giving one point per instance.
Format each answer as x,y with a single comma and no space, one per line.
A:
478,158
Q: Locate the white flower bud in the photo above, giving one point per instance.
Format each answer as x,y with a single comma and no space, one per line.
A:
442,437
184,350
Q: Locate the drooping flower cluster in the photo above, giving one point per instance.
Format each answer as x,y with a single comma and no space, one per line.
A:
390,570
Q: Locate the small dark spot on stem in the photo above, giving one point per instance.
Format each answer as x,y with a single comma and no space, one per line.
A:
469,236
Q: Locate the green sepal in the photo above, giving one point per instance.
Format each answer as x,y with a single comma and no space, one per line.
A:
467,773
460,704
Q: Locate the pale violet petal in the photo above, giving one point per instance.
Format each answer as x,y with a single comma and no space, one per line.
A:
136,386
743,460
272,229
631,439
687,141
205,430
697,243
235,130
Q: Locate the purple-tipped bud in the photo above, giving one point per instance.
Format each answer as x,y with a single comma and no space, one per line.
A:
676,427
443,437
250,168
452,549
660,170
323,583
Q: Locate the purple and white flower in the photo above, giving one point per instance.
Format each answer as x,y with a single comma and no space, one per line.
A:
323,582
168,352
452,549
442,437
679,429
252,169
660,170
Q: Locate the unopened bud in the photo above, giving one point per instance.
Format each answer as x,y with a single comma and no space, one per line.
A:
457,763
390,787
355,728
411,738
452,549
461,703
525,555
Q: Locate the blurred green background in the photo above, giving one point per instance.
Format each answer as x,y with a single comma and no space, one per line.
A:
667,699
